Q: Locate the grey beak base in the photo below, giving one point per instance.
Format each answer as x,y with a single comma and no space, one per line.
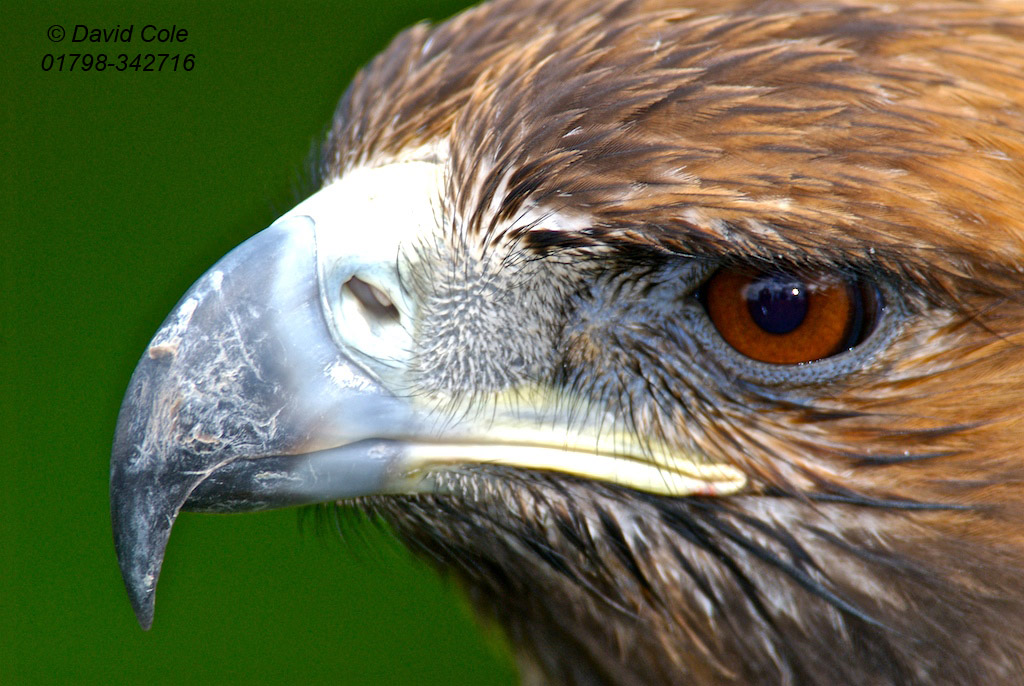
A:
291,480
238,403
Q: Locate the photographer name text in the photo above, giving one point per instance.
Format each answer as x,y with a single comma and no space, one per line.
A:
150,33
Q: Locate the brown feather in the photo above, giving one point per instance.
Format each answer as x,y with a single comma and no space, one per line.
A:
885,543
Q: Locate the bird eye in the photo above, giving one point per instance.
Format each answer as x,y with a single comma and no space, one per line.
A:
782,318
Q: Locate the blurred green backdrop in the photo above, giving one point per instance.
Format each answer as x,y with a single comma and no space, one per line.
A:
118,190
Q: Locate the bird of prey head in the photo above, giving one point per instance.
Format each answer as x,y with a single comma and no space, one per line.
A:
688,335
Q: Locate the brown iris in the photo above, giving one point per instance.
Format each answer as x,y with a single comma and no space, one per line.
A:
783,318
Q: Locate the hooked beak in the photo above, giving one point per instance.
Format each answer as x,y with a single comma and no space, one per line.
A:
258,391
242,401
275,383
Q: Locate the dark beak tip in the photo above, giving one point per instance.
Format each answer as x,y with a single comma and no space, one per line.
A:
142,512
145,494
140,551
142,523
143,607
144,612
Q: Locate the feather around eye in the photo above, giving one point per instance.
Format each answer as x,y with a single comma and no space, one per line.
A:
782,318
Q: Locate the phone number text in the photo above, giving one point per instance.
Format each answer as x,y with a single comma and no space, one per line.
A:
76,61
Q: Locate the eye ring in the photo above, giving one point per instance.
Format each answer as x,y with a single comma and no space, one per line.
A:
782,318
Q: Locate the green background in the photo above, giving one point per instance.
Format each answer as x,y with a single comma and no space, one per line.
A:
118,190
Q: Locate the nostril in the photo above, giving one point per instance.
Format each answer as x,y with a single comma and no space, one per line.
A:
373,300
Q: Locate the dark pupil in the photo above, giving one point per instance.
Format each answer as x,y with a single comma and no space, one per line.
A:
777,302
